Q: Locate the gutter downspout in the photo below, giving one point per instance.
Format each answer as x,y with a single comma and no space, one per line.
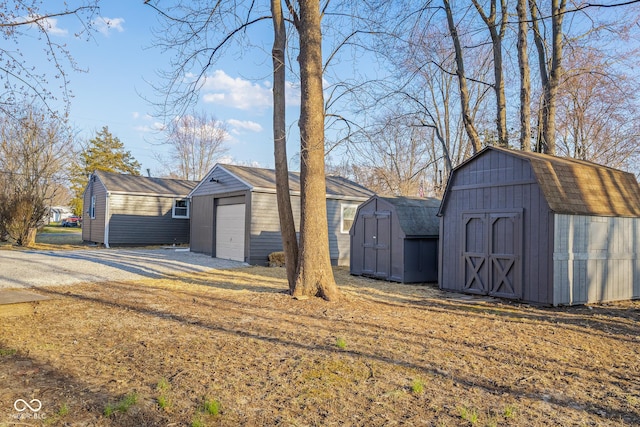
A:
106,221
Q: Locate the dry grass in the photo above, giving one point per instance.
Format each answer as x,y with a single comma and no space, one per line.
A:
53,238
230,348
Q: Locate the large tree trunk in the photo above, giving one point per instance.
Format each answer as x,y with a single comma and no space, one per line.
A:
315,275
525,78
285,213
462,82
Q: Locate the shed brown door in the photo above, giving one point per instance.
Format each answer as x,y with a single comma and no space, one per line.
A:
377,244
492,245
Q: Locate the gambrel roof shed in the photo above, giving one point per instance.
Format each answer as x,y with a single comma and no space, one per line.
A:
540,228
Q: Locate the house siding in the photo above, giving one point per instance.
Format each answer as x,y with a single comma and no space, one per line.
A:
93,228
339,242
262,232
596,259
201,240
265,226
226,183
493,183
135,219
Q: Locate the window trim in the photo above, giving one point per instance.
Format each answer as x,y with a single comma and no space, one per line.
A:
173,208
343,207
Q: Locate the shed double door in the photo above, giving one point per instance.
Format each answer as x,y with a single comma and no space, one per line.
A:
492,253
377,244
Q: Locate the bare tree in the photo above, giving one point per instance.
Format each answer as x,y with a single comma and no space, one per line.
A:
497,32
315,276
462,80
393,159
31,170
550,71
598,112
525,77
196,142
285,211
198,33
34,19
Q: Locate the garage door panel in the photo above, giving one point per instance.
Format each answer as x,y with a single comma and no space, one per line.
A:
230,232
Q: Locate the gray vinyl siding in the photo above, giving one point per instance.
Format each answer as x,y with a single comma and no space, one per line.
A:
93,228
262,233
225,184
498,182
596,259
265,226
339,243
145,220
201,240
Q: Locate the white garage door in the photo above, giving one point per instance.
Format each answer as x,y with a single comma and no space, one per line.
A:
230,232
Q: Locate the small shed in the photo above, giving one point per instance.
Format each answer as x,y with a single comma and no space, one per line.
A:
235,213
396,239
540,229
122,209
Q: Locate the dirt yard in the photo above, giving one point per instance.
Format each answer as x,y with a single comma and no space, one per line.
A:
230,348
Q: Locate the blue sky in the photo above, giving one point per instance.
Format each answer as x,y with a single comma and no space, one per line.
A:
121,61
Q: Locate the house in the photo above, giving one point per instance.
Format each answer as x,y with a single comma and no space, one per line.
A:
396,239
135,210
58,213
235,213
540,229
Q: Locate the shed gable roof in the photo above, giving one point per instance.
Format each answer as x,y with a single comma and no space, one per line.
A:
132,184
578,187
416,216
265,179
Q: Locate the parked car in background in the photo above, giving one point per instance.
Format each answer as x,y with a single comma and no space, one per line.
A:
72,221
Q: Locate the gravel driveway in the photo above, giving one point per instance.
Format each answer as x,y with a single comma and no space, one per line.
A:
26,269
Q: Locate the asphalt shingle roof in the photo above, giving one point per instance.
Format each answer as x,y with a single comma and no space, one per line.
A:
266,179
417,216
578,187
132,184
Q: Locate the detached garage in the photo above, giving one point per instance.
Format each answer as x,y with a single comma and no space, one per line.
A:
540,229
396,239
234,213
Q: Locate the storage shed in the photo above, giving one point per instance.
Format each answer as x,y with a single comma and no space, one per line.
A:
235,213
124,209
396,239
540,229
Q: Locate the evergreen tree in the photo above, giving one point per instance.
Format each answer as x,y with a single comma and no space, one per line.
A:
105,153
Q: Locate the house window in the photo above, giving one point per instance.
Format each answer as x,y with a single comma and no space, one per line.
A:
92,208
180,208
347,215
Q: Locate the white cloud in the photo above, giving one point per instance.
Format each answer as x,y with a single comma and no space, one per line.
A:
50,25
106,25
220,88
292,94
244,125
